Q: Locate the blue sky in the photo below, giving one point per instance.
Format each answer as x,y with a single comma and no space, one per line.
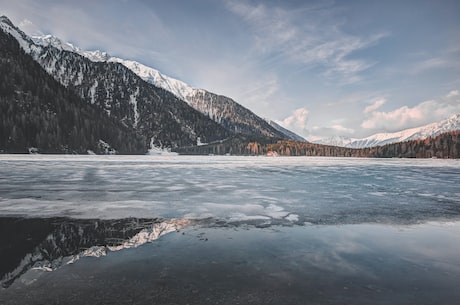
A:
320,68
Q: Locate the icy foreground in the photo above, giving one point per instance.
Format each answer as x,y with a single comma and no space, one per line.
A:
231,189
240,230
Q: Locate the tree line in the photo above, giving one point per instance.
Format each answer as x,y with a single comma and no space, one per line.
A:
446,145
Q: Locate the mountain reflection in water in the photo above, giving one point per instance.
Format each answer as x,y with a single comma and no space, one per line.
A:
48,243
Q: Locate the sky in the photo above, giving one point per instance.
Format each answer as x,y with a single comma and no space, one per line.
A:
320,68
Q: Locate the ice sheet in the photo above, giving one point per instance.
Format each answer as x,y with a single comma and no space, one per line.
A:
296,190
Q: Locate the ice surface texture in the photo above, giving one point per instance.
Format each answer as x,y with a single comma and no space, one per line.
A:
231,189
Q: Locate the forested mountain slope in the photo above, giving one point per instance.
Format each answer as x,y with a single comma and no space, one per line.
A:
162,118
38,113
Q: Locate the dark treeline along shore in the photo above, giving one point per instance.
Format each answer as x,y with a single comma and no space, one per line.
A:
446,145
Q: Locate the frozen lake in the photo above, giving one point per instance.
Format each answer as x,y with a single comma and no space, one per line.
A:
262,189
228,230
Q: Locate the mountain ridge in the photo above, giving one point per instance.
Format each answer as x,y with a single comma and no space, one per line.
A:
451,123
38,114
157,114
221,109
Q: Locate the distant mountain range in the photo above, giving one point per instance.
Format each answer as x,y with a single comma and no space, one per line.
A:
431,130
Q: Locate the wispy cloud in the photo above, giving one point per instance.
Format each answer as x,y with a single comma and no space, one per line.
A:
375,105
309,36
433,63
446,59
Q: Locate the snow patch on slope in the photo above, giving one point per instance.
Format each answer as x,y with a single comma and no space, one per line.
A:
133,101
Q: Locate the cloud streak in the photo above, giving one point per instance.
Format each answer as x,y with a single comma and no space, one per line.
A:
309,36
376,105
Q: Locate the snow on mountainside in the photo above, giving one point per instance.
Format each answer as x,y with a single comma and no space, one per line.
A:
153,76
431,130
49,40
114,89
341,141
150,75
221,109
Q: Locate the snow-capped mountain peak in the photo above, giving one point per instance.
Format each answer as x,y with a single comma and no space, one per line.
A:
423,132
50,40
26,44
33,45
153,76
96,56
150,75
431,130
342,141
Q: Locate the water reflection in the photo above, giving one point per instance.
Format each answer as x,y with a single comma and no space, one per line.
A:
225,263
47,244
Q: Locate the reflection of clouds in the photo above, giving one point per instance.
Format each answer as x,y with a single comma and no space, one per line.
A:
344,257
359,248
334,262
372,252
434,245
